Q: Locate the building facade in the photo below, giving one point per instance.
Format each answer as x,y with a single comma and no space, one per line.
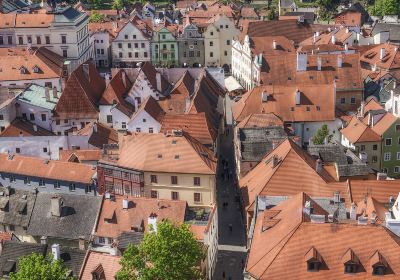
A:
164,47
191,46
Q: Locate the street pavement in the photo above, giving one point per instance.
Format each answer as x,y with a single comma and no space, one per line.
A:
232,239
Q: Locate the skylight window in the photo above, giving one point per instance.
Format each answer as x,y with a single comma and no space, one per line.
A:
176,156
174,142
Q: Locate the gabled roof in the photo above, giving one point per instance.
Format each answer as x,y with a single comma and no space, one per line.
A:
292,238
81,94
164,153
341,34
80,155
20,127
283,179
357,131
78,216
36,95
281,101
390,61
151,74
197,125
260,120
264,45
122,220
115,93
383,121
152,107
46,169
109,265
99,134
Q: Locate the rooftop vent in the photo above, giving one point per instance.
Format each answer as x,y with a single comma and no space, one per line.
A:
362,220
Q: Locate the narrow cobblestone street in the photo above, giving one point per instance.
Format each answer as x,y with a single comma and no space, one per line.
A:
232,241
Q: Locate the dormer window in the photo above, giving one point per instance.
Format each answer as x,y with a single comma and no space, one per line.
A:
350,268
314,260
36,69
379,270
378,263
23,70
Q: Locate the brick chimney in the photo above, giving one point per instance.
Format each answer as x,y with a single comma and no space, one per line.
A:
56,206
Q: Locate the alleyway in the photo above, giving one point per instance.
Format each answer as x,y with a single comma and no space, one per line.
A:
232,241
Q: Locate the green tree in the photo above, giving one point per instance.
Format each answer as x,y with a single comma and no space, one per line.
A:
170,253
272,13
327,8
96,17
385,7
37,267
322,133
118,5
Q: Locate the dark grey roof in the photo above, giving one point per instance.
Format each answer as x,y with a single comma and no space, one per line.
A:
309,16
394,30
338,209
68,14
127,238
256,142
13,250
18,206
385,92
72,257
7,6
79,213
328,153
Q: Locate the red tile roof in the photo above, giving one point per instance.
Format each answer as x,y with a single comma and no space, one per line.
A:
137,215
357,131
390,61
264,45
80,155
260,120
101,263
281,101
152,107
81,94
21,127
103,135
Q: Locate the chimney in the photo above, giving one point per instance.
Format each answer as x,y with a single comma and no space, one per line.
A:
107,78
114,251
187,104
380,176
43,240
297,97
55,250
317,34
94,127
301,61
382,53
125,204
274,44
85,67
56,206
333,39
319,63
158,81
35,127
346,47
318,165
275,161
353,211
339,61
82,243
362,109
370,119
55,92
275,144
47,93
7,190
307,208
124,78
394,84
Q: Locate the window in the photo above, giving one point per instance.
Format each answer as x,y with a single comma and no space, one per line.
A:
396,169
397,127
63,39
387,156
88,188
184,54
123,125
32,117
10,40
120,45
102,240
1,117
375,147
134,36
142,45
145,54
20,40
29,39
129,45
174,180
313,266
398,156
129,54
17,150
378,270
138,129
350,268
197,197
163,36
65,53
120,55
318,108
12,178
43,117
195,43
174,195
211,54
126,36
109,119
196,181
24,116
45,150
172,46
342,100
211,43
225,53
228,42
154,194
1,40
388,142
153,179
362,148
151,130
27,181
47,38
164,46
226,26
72,187
136,54
41,183
57,185
191,53
353,100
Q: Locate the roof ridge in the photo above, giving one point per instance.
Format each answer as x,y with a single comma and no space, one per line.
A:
191,141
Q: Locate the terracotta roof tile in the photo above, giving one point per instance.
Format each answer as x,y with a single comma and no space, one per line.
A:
103,135
137,215
81,155
21,127
264,45
390,61
47,169
357,131
197,125
150,71
106,265
163,153
152,107
248,12
81,94
281,101
260,120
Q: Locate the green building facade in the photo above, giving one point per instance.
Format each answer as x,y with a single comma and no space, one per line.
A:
390,158
164,48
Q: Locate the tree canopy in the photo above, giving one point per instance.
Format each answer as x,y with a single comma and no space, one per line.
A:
327,8
385,7
170,253
118,5
96,17
37,267
322,133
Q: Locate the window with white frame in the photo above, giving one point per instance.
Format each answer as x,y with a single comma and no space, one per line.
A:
387,156
396,169
398,155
